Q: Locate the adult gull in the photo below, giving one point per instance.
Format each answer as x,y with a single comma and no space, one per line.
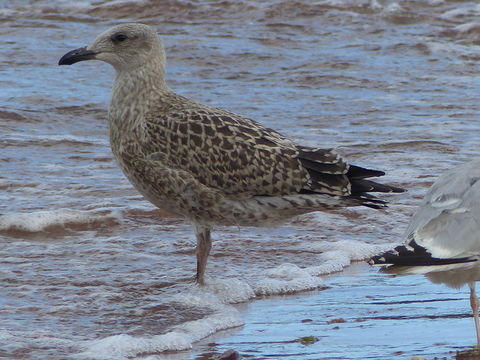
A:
442,239
210,165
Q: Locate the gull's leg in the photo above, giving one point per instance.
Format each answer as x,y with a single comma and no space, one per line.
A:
204,244
474,305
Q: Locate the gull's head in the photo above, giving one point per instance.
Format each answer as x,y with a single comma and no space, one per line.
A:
125,46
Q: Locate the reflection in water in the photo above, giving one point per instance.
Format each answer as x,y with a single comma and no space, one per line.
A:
452,275
444,230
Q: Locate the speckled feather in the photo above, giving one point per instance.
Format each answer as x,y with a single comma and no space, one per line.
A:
208,164
230,153
166,143
224,158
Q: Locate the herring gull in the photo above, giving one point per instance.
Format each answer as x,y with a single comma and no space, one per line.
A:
442,239
210,165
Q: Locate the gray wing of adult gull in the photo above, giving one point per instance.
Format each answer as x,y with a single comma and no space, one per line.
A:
442,240
447,222
446,226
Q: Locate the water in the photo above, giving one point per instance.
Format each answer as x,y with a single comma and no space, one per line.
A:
361,315
91,270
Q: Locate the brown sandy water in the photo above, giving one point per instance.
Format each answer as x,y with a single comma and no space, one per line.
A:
90,270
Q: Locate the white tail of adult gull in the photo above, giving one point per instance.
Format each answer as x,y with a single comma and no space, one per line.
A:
443,237
207,164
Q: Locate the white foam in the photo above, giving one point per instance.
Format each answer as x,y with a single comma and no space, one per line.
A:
330,262
350,249
230,291
339,254
123,346
286,279
214,297
197,297
40,220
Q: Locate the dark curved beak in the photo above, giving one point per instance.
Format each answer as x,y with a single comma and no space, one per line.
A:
77,55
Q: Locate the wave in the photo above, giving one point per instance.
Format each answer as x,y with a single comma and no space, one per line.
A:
32,222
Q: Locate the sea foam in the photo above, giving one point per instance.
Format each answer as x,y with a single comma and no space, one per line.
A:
182,337
41,220
286,279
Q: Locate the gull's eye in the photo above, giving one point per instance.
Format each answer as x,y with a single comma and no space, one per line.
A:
120,37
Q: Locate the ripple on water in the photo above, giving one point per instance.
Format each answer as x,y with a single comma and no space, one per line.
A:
88,267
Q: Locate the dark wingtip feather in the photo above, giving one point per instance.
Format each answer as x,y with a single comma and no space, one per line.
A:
362,186
416,255
329,173
357,172
357,176
371,201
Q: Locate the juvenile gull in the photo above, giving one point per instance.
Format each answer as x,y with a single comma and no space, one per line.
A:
443,237
207,164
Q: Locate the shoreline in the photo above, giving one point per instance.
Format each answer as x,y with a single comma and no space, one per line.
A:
361,314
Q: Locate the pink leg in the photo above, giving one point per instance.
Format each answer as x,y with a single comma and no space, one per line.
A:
204,244
474,305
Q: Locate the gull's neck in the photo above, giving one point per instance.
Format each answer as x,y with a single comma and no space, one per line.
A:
146,78
134,91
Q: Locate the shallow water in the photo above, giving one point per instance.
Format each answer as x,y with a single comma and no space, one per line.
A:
361,315
89,269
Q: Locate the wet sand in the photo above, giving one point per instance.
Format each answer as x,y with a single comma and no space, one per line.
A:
361,314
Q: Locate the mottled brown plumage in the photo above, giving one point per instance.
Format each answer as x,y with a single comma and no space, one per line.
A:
207,164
